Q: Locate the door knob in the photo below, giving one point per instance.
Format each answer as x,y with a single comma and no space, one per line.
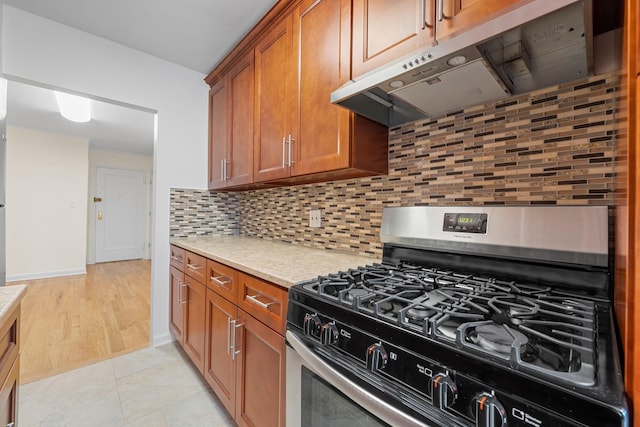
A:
97,199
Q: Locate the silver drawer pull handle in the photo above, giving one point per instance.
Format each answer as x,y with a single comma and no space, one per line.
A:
217,280
254,299
175,258
195,267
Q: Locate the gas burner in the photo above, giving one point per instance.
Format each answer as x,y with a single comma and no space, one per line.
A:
497,338
419,313
352,294
425,305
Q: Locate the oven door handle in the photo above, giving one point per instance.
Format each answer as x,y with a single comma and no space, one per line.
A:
366,400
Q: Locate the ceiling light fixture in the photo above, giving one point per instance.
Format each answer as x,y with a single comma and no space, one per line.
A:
73,107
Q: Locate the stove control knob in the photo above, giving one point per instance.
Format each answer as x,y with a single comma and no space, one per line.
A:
329,334
489,412
376,357
444,391
312,325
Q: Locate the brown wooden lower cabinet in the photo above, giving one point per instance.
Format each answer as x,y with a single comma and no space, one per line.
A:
176,285
232,330
260,392
9,368
187,304
9,397
194,315
220,364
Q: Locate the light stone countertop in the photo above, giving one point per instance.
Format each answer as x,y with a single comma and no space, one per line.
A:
10,296
282,263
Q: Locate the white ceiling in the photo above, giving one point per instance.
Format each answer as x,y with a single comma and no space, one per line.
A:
112,127
196,34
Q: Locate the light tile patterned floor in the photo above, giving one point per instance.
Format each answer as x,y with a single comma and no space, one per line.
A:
153,387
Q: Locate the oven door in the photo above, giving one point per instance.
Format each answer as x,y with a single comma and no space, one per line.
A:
320,396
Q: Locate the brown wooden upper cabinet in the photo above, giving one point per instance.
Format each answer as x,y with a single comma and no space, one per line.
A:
385,30
275,79
298,59
298,131
231,102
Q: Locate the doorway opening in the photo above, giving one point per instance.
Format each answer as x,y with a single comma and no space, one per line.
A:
53,169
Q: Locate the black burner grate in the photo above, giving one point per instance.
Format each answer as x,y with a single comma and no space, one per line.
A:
526,326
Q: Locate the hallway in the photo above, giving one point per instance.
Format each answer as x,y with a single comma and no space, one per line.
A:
73,321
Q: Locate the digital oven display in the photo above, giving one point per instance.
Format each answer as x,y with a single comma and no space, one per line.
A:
465,222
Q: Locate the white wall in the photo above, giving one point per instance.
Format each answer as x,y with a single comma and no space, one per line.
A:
46,204
115,160
43,51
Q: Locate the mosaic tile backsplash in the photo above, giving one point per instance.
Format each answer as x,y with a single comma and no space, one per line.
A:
200,213
554,146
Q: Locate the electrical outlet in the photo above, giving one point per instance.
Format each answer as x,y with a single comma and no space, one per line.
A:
315,218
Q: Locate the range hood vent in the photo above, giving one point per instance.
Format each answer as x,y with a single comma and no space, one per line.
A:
539,44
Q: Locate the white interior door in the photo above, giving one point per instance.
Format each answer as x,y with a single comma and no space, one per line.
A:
120,213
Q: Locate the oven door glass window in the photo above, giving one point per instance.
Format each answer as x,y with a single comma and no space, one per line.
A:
325,406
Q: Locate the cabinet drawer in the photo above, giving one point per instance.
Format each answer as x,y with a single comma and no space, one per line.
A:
177,257
9,343
222,279
263,300
195,266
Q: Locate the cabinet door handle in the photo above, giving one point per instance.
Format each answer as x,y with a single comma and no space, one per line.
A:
175,258
284,152
217,280
229,334
424,13
441,10
254,299
235,327
221,170
183,299
225,175
195,267
291,141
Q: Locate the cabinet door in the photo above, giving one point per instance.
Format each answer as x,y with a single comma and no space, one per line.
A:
273,107
260,390
384,30
176,302
9,397
239,169
194,317
218,133
459,15
220,364
321,49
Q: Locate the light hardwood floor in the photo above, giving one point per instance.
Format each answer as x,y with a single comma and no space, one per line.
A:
73,321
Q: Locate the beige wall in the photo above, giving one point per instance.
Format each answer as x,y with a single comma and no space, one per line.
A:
46,204
115,160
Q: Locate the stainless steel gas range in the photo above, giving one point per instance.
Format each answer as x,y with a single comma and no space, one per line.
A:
476,316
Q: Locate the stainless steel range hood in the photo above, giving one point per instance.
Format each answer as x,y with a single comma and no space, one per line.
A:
539,44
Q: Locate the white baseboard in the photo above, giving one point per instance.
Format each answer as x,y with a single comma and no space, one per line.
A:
159,340
45,275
